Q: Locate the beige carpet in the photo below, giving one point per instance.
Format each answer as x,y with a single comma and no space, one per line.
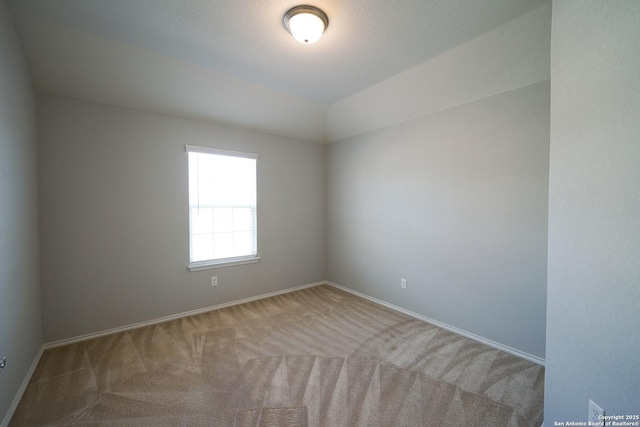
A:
315,357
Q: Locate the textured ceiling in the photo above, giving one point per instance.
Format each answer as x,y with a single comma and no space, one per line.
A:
367,40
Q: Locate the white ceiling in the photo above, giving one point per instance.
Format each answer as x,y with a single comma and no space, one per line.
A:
244,41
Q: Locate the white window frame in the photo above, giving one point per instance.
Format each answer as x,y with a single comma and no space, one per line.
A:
220,262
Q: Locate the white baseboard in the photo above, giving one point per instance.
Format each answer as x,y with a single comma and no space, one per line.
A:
93,335
531,358
23,387
46,346
490,343
54,344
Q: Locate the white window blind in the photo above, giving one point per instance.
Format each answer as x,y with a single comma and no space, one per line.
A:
222,207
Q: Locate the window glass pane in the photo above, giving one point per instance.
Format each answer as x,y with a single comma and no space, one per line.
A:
223,245
222,200
223,219
201,220
201,247
242,219
243,242
193,179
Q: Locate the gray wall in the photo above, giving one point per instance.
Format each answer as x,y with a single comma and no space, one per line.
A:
593,317
456,203
115,218
510,56
20,318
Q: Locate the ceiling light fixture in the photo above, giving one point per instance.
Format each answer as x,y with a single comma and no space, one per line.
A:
306,23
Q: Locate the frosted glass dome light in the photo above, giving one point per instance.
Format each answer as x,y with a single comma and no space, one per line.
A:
306,23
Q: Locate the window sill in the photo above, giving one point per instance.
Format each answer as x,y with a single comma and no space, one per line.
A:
208,265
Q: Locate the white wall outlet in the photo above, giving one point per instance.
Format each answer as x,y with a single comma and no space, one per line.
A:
214,280
596,414
403,284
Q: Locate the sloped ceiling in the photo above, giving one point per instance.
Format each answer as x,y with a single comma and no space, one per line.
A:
232,61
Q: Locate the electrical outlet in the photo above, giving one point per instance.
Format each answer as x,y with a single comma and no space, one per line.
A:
403,284
596,414
3,363
214,281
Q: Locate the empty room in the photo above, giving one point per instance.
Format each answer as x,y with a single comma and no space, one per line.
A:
334,213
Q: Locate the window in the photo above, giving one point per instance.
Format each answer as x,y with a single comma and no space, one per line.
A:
222,208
